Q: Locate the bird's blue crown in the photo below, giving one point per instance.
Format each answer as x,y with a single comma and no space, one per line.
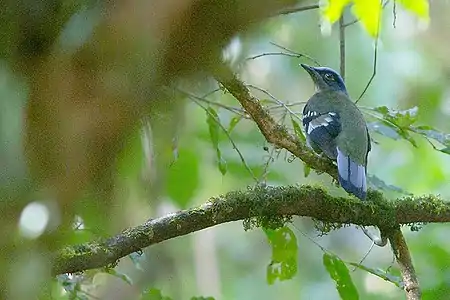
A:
326,78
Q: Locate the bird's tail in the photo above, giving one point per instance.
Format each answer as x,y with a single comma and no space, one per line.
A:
352,176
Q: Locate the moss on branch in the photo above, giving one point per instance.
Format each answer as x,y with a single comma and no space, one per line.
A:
267,206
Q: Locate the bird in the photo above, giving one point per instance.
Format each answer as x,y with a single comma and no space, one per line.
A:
336,128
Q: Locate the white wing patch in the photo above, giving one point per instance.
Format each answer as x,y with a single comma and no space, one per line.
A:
323,120
309,114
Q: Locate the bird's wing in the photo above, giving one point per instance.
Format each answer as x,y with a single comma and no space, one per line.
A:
321,130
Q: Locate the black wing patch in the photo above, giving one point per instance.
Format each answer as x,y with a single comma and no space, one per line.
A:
321,131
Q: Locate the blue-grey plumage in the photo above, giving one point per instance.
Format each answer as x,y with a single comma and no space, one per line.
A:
335,126
352,176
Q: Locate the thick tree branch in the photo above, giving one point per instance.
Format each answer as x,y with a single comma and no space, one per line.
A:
401,252
264,203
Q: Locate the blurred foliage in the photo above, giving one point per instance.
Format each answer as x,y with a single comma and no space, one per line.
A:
153,294
369,11
76,78
213,125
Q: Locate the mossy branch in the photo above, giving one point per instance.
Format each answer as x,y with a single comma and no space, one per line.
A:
266,205
394,213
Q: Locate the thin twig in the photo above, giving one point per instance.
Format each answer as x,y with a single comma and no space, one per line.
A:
365,256
342,44
351,23
275,54
230,138
403,258
277,106
374,71
295,52
292,10
313,241
394,12
270,159
237,110
275,99
211,92
354,265
379,241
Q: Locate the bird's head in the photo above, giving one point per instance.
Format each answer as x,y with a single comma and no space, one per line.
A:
325,78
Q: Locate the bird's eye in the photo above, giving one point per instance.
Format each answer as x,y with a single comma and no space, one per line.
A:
329,76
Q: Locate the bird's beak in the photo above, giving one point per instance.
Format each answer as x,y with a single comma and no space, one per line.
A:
306,67
317,79
310,70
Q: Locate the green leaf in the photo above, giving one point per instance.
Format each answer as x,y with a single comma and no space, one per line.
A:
369,11
395,123
339,273
431,133
419,7
384,128
233,122
153,294
222,164
283,265
381,109
405,118
332,10
401,118
380,273
392,131
306,170
298,130
183,177
369,14
446,150
118,274
213,121
202,298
